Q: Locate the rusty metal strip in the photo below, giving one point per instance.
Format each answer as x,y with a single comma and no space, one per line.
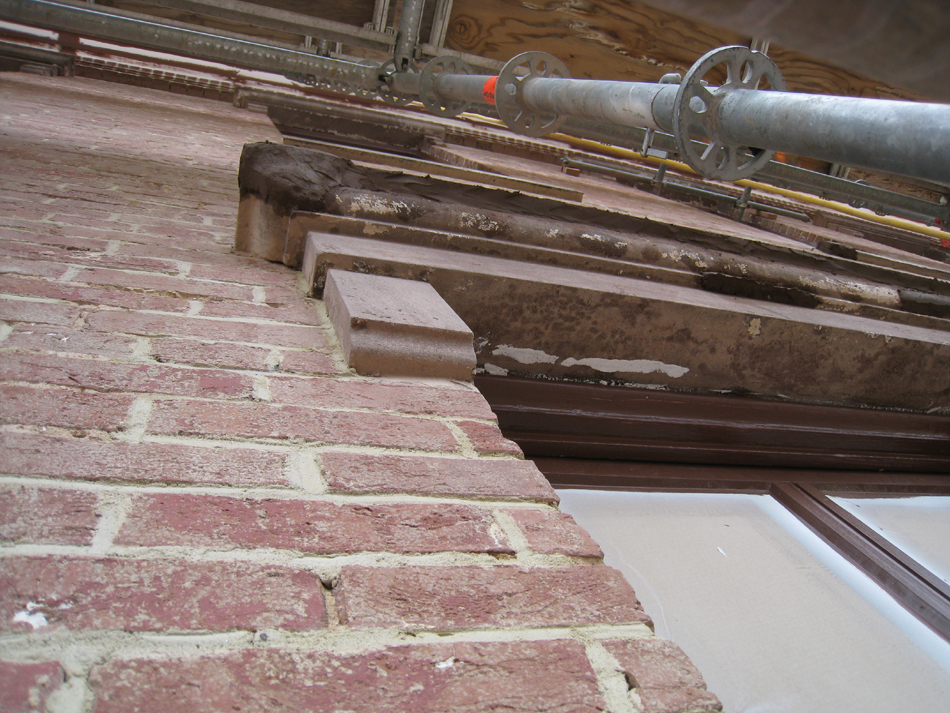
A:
917,589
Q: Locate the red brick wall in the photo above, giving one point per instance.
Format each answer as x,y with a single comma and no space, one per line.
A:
202,509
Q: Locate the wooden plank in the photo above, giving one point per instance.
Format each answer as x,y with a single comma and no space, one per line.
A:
616,39
440,169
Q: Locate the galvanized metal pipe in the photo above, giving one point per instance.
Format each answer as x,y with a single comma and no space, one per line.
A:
907,138
408,36
624,103
207,46
896,136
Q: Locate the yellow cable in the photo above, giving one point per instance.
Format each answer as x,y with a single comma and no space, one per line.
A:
891,221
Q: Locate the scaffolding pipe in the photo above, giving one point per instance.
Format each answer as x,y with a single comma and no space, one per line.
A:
206,46
407,38
744,125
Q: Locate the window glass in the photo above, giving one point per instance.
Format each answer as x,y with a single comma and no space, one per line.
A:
773,617
920,526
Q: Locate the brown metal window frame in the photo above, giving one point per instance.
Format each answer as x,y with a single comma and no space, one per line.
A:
618,438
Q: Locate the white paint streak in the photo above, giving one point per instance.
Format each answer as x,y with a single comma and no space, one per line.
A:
524,355
628,366
35,619
495,370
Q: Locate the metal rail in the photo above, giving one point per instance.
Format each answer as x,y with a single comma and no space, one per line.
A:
201,45
743,124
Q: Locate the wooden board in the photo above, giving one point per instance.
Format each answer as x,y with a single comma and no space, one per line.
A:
614,39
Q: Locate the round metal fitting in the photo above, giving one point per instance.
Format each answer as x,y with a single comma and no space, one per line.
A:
386,92
509,99
697,105
434,69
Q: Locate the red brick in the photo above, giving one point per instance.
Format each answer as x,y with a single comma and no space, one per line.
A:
678,700
71,242
34,268
63,407
46,515
178,286
404,398
196,257
666,680
307,526
386,474
261,274
93,459
550,533
299,312
101,375
308,362
158,595
487,439
68,341
519,677
91,295
85,257
219,354
243,420
38,312
655,663
445,598
26,687
153,325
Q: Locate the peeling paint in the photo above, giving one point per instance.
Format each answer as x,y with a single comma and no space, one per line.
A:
495,370
35,619
377,206
631,366
524,355
755,327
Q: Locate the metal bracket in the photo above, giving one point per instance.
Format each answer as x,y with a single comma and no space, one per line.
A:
696,105
434,69
509,100
386,93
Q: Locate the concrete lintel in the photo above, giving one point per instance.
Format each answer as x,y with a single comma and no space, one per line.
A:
393,327
561,323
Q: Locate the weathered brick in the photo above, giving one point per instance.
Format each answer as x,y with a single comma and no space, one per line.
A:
69,341
71,242
550,532
220,354
308,362
26,687
91,295
47,515
261,274
308,526
404,398
285,335
678,700
38,312
33,268
85,257
385,474
94,459
182,287
101,375
487,439
63,407
299,312
655,663
519,677
666,680
252,420
156,595
465,597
